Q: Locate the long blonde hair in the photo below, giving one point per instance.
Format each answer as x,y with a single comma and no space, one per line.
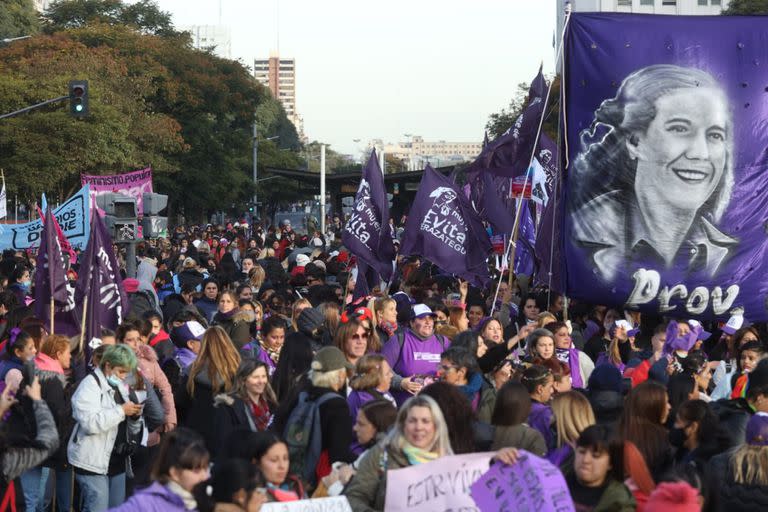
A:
750,465
573,414
220,360
440,444
256,276
294,310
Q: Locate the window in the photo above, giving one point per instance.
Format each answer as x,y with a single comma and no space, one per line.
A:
717,2
669,2
624,3
647,2
703,2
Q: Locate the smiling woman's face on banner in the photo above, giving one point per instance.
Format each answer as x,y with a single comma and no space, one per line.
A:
682,155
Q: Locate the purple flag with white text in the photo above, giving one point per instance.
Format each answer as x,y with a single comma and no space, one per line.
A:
444,228
99,280
367,234
51,283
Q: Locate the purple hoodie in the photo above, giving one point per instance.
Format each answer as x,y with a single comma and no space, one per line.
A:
155,498
540,418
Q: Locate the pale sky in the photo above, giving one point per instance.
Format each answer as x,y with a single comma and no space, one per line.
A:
379,70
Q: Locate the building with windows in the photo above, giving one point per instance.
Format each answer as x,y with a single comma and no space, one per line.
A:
679,7
42,5
279,76
417,152
217,38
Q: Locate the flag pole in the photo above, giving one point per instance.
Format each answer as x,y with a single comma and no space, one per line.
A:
82,326
518,210
52,313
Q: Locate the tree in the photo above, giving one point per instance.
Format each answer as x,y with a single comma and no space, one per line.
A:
746,7
144,15
18,18
500,122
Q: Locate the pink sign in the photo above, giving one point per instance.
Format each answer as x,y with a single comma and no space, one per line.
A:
132,184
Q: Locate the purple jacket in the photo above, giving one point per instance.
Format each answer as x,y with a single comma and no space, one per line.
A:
155,498
184,357
540,418
356,399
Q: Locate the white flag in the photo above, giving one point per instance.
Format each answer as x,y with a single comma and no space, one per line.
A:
3,203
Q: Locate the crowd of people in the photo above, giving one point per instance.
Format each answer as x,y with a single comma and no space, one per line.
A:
247,373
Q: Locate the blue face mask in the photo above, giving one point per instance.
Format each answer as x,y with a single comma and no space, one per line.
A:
114,380
26,284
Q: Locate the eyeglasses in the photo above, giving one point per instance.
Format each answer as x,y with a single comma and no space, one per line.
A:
363,336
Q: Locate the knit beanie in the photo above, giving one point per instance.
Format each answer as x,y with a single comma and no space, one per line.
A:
674,497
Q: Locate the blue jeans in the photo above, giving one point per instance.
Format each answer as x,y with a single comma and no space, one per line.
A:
33,482
63,489
94,492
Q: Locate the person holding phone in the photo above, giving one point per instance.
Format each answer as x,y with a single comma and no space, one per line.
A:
94,441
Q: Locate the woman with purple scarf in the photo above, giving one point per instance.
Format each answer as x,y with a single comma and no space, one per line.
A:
580,364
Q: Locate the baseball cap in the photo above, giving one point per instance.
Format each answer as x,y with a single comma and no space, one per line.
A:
733,324
422,310
701,333
757,430
190,330
329,359
631,331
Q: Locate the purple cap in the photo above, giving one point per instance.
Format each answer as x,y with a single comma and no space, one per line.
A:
757,430
187,331
701,334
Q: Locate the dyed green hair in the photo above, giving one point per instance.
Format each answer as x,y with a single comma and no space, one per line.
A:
119,355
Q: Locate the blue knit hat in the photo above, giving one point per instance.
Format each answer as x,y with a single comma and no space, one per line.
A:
605,377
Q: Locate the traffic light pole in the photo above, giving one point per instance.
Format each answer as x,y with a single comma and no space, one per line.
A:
130,259
34,107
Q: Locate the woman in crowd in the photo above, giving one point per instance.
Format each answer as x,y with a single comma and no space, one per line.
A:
411,372
19,349
491,331
208,303
458,367
95,448
292,367
696,435
681,387
539,382
371,381
181,464
352,338
420,435
513,405
385,310
270,454
298,306
598,472
273,332
646,410
250,405
580,364
212,372
229,318
457,317
573,415
465,433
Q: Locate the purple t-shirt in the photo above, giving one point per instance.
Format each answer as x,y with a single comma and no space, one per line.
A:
418,357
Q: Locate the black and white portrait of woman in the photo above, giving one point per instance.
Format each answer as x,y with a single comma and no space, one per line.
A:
654,175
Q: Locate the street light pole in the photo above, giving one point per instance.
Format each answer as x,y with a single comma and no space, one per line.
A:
255,171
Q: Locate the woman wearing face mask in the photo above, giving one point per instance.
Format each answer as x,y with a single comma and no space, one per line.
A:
19,349
181,464
696,434
95,444
580,364
249,406
20,283
229,318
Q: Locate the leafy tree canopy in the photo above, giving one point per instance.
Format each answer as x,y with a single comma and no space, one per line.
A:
143,15
500,122
745,7
18,18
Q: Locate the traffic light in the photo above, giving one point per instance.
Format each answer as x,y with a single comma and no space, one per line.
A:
78,98
153,225
120,216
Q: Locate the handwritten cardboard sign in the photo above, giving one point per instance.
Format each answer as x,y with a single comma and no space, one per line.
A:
532,484
442,485
335,504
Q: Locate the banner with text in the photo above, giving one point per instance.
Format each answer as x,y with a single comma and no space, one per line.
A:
73,217
531,484
132,184
438,486
666,206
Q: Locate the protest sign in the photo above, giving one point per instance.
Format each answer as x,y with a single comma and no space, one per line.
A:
73,217
649,221
134,184
531,484
335,504
442,485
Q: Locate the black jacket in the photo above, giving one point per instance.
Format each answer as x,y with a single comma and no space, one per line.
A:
731,496
196,410
733,415
607,406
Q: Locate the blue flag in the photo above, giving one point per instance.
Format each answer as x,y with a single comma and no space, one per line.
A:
444,228
51,285
100,282
367,234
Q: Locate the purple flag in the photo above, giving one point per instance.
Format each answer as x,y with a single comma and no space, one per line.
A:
510,154
666,203
100,281
526,239
443,227
367,234
367,279
51,283
548,237
493,209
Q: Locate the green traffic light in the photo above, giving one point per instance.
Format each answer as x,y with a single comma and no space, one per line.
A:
79,108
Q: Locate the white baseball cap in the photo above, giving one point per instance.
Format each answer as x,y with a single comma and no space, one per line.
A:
733,324
422,310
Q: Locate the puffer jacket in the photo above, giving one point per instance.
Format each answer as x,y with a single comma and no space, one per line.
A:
14,461
367,490
97,416
150,370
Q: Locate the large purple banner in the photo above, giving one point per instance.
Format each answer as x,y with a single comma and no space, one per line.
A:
666,184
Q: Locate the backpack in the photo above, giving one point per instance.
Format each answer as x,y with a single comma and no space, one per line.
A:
304,437
401,341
